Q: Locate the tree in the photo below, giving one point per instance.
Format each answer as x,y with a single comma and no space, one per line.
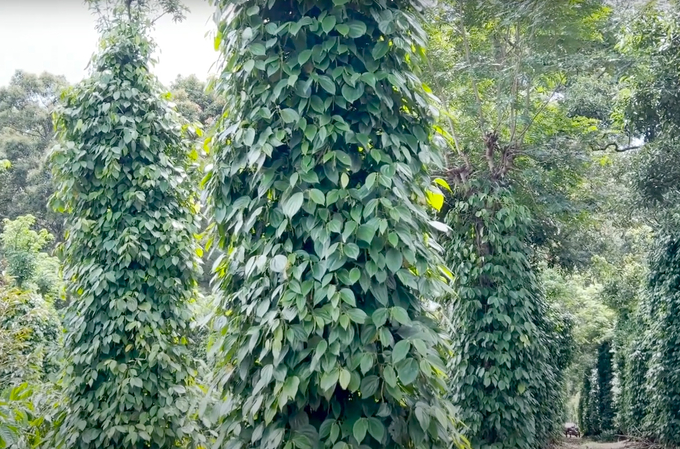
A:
318,189
20,246
195,101
130,257
26,133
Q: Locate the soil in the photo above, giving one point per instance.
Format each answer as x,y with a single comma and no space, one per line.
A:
578,443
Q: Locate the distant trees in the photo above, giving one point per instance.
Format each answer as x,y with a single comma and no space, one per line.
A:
26,133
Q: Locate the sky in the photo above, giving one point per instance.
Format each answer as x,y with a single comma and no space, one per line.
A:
59,36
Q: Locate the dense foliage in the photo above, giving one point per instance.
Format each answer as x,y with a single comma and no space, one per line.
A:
26,133
505,367
130,256
318,193
554,148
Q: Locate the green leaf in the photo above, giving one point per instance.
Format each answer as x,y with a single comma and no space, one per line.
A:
376,429
399,315
352,94
327,84
394,260
342,28
278,263
351,250
366,233
359,429
328,24
357,315
400,351
380,50
408,371
345,377
317,196
356,29
289,115
369,386
293,204
304,56
390,376
379,317
249,138
329,380
347,296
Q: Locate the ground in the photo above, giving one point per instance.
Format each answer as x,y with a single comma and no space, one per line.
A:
577,443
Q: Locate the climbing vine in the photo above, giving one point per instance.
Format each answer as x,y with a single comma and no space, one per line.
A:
605,385
129,256
318,193
663,381
502,366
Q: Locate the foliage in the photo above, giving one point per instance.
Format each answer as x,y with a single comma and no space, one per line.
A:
649,384
26,415
502,364
318,191
663,383
590,416
196,101
109,10
605,385
130,257
508,108
20,246
29,336
26,133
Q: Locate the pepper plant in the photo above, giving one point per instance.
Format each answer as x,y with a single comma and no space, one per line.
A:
505,368
318,193
129,255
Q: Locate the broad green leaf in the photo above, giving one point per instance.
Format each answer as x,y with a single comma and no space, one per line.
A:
328,24
366,233
348,297
356,29
317,196
376,429
400,351
408,371
289,115
359,429
278,263
293,204
345,377
394,260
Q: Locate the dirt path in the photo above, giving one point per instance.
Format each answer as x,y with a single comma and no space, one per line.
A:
585,444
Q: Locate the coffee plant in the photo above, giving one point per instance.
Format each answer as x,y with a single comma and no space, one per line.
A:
501,366
129,255
318,192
